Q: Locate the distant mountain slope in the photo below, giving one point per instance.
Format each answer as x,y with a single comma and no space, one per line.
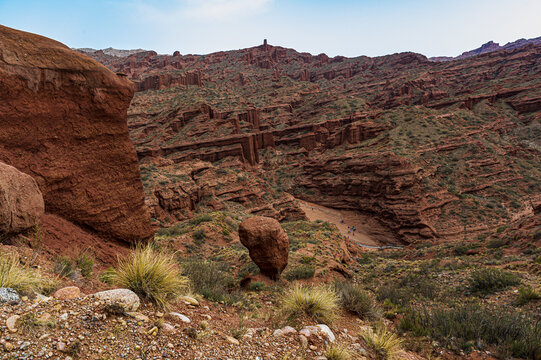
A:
112,52
489,47
430,149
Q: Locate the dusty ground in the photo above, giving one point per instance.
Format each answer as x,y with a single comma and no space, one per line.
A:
367,230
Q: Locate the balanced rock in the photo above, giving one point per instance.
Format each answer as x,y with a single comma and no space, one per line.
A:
21,202
267,243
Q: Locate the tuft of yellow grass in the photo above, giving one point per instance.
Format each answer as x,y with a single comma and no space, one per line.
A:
152,275
385,344
21,278
320,303
338,352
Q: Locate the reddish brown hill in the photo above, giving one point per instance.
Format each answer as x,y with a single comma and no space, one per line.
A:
431,149
64,122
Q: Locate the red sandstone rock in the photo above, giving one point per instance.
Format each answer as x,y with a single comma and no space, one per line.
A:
64,123
267,242
21,202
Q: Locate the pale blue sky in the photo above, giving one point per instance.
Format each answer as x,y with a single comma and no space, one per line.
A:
340,27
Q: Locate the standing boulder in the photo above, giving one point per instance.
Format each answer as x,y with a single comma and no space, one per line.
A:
267,243
21,202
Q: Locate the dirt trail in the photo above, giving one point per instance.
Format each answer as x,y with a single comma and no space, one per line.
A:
368,231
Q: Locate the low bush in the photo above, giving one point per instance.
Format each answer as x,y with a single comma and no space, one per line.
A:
201,219
108,276
173,231
155,276
300,272
85,262
212,281
64,266
338,352
527,294
403,291
320,303
488,280
496,243
356,300
385,344
199,235
461,327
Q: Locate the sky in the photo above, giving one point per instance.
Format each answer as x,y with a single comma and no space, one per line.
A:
340,27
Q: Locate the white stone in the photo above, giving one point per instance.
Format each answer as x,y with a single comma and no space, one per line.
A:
327,331
181,317
125,298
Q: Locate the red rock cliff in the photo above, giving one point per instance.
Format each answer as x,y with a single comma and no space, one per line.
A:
63,120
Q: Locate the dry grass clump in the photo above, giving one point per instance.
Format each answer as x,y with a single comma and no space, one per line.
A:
21,278
338,352
385,344
357,300
153,275
321,303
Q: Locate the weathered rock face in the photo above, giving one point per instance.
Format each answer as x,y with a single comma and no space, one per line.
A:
267,242
21,202
64,123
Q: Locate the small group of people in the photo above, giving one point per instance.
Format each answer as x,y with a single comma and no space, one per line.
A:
351,229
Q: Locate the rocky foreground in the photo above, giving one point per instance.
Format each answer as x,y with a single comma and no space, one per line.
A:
112,325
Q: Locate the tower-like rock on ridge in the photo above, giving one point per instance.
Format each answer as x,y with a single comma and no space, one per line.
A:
63,121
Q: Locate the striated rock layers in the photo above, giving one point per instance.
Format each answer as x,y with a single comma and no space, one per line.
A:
21,202
267,242
64,123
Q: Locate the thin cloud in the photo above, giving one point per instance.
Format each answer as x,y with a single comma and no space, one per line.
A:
201,10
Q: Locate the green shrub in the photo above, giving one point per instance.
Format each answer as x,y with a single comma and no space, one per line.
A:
64,266
153,275
257,286
464,325
108,276
527,294
496,243
173,231
488,280
201,219
403,291
85,262
356,300
199,235
300,272
321,303
212,281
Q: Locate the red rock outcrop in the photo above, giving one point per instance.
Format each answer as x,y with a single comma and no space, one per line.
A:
267,243
64,123
21,202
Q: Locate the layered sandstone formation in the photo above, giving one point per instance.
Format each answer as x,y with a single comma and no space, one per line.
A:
64,123
430,149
